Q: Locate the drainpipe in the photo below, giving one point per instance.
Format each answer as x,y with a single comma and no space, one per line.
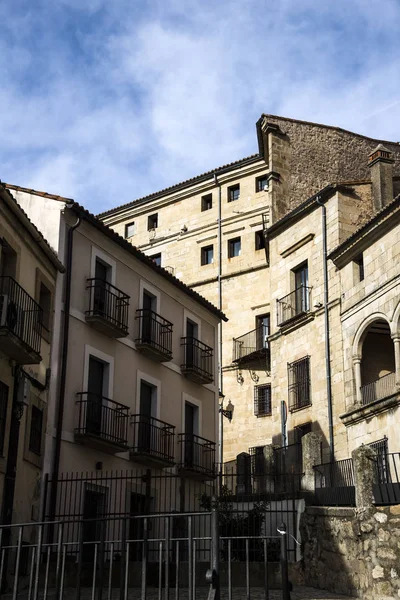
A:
63,375
219,280
327,341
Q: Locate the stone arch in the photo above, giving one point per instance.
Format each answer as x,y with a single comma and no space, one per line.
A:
396,322
363,330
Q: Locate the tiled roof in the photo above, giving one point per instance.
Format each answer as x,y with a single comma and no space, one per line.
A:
18,188
182,184
38,236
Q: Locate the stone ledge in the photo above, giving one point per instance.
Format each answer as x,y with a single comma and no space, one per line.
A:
359,413
330,511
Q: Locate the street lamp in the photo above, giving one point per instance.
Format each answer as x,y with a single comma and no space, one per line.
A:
228,411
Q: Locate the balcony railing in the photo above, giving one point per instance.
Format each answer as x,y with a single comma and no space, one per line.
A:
20,323
102,420
198,360
108,308
153,439
251,346
379,389
155,335
293,305
197,455
334,483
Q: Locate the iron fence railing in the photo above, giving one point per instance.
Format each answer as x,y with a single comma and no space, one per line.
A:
197,454
387,478
379,389
299,384
154,331
20,315
103,418
334,483
153,437
251,346
197,359
109,303
294,304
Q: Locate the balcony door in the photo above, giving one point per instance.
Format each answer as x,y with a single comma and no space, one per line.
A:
263,331
301,287
147,408
191,450
149,306
192,333
102,274
95,387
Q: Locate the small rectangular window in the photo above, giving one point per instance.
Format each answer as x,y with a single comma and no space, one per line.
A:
262,183
233,192
156,258
129,229
35,437
234,247
259,240
359,262
152,222
207,255
3,413
258,463
206,202
262,400
299,384
45,305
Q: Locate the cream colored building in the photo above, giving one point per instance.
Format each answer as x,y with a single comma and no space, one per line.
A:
28,275
210,230
135,373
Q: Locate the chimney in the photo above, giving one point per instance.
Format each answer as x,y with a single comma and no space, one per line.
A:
380,162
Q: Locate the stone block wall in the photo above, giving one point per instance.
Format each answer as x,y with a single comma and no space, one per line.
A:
352,551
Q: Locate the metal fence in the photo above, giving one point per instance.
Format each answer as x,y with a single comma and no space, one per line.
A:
252,346
381,388
294,304
154,331
334,483
102,418
387,477
197,360
109,303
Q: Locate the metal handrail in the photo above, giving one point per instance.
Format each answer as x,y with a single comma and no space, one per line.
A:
296,303
103,418
197,453
198,357
108,302
249,343
154,331
153,437
379,389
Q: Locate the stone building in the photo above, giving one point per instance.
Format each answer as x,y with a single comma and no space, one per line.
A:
134,368
28,275
211,231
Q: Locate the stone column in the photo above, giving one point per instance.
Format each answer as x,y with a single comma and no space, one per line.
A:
364,463
357,375
396,343
311,451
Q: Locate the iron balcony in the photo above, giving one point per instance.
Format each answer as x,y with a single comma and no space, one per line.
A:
20,323
153,441
294,305
197,456
155,335
252,347
108,308
101,423
198,360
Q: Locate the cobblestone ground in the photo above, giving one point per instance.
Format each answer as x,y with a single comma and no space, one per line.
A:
299,593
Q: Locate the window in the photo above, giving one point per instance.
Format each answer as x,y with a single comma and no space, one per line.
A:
382,459
233,192
152,222
359,263
259,240
262,400
234,247
3,413
302,298
45,305
207,255
156,258
130,229
206,202
258,463
299,384
262,183
35,437
263,326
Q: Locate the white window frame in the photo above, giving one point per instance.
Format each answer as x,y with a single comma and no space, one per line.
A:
155,402
144,286
191,400
105,258
106,359
133,225
188,315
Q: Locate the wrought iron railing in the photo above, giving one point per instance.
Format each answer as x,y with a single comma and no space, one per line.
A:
197,453
251,345
294,304
387,477
154,331
334,483
20,314
108,302
153,437
197,357
379,389
102,418
299,388
262,400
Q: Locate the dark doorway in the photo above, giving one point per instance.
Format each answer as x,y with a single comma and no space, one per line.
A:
93,508
94,396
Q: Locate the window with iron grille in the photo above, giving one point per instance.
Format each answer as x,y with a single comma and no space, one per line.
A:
381,449
262,400
258,466
299,384
35,438
3,413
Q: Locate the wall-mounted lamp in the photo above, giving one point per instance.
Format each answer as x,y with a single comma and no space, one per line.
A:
228,411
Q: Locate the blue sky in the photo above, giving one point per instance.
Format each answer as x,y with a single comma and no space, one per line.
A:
108,101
